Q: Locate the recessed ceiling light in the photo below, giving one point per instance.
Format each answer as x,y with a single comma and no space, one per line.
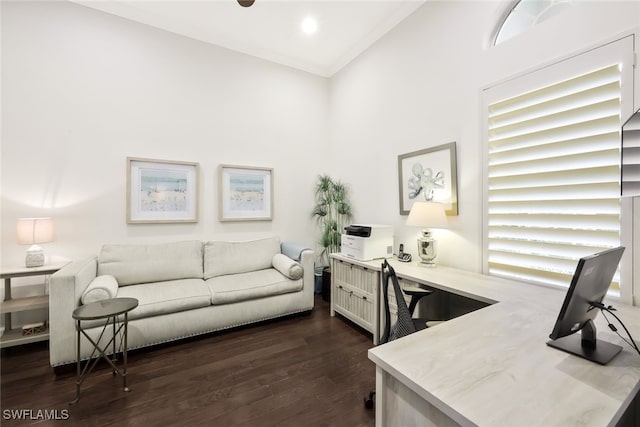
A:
309,25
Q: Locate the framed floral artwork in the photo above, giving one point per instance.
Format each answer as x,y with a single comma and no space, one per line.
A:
161,191
429,175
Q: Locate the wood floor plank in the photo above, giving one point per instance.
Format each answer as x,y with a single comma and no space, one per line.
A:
309,370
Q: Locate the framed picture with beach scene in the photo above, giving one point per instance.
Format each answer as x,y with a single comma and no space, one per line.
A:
161,191
246,193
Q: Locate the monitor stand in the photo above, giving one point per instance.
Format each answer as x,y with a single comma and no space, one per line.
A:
587,346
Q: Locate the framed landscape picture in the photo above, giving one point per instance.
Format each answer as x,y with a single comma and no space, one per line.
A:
161,191
246,193
429,175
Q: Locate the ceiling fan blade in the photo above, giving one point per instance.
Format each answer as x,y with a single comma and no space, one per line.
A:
246,3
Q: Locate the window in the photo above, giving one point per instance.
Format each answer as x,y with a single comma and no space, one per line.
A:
527,13
553,165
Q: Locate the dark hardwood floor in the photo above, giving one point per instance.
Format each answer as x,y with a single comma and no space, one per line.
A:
306,370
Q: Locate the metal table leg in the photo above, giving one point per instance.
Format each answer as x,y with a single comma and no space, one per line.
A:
124,352
83,373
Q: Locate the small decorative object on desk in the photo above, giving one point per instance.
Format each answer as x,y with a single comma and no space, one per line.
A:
34,328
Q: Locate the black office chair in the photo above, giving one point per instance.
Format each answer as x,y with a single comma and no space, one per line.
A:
405,323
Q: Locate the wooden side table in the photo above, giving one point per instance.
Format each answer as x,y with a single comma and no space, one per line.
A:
12,337
109,310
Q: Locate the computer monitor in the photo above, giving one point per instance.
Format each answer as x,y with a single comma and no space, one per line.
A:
589,285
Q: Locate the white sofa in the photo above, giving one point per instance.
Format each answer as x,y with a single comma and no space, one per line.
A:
183,288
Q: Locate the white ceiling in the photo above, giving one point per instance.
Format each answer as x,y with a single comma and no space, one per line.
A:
271,29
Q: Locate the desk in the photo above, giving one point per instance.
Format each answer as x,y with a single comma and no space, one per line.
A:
356,294
491,367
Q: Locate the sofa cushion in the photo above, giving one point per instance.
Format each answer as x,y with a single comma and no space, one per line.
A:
288,267
166,297
251,285
133,264
101,288
222,258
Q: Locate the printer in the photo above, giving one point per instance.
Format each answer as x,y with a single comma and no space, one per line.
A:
365,242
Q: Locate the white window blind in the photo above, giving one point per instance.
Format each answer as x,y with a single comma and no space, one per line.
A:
553,175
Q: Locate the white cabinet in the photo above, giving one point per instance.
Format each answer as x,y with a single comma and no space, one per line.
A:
355,293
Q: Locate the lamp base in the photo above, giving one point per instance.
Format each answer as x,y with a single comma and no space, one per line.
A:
35,257
427,264
427,249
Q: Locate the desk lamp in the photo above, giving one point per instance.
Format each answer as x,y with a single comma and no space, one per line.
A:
428,215
33,231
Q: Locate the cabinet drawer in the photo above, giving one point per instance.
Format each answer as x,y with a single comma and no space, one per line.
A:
354,304
357,277
355,293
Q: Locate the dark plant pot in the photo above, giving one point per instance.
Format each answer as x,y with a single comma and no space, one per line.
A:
326,284
317,280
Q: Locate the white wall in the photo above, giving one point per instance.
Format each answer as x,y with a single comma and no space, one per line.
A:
82,90
420,86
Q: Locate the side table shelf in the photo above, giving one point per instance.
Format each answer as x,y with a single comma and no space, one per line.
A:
12,337
24,304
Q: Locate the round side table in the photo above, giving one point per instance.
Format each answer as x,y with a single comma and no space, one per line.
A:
109,310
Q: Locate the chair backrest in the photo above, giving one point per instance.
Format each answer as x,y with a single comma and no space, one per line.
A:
404,324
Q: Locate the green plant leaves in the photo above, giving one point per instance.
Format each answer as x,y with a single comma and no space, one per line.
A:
332,210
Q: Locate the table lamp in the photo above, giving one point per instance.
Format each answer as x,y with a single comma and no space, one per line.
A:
428,215
33,231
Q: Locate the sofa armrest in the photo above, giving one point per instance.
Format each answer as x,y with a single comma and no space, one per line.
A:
307,259
67,286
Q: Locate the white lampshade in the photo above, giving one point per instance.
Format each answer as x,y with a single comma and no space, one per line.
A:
428,214
33,231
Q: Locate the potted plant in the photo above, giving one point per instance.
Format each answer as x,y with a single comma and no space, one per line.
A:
332,211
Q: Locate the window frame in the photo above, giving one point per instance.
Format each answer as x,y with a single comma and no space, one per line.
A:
622,49
509,11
